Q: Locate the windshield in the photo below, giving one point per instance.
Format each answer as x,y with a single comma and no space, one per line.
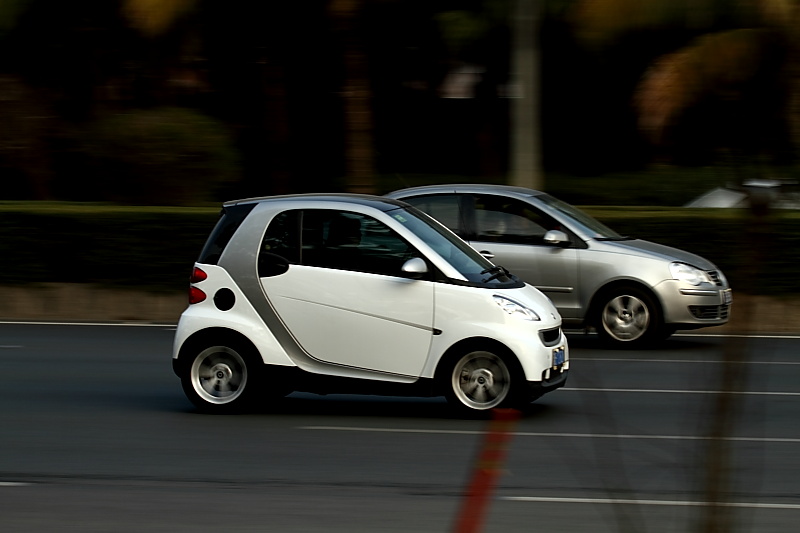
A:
591,227
461,256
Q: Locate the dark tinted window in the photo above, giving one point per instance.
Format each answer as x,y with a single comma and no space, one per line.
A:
281,244
282,236
352,241
332,239
442,207
508,220
230,219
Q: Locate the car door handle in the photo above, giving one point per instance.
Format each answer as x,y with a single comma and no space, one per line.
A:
487,254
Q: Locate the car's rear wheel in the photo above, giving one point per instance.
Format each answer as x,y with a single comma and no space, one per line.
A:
479,380
221,378
629,316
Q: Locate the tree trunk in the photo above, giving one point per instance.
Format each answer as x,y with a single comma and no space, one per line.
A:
357,101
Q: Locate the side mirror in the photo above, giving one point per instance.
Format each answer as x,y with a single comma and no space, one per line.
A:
556,237
415,268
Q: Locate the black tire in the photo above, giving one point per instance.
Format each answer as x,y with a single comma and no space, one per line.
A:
629,317
479,380
221,378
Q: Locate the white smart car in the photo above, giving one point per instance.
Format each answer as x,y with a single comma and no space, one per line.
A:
358,294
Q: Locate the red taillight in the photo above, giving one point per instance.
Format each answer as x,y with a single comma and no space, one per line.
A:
196,295
197,276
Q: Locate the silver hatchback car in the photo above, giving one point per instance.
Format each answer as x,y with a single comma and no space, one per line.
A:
633,292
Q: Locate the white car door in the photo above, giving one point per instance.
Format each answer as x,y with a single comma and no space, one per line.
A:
344,299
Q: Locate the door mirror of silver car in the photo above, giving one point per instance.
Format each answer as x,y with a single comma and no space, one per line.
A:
415,268
556,237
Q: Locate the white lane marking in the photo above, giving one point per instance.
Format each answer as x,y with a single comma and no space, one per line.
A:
787,335
13,484
66,323
672,503
681,361
741,335
551,435
680,391
10,346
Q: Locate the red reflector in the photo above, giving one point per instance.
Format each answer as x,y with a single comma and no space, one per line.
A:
197,276
196,295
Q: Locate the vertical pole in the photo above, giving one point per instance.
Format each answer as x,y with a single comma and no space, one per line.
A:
526,165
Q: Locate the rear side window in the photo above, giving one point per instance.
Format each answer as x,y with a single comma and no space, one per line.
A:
229,221
442,207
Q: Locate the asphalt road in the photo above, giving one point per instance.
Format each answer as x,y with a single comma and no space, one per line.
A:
96,435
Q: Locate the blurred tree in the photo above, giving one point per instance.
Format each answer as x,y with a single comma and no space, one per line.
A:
727,86
357,98
24,158
155,17
274,45
477,35
160,156
10,11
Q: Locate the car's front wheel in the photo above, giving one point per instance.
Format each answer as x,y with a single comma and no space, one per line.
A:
629,316
221,378
479,380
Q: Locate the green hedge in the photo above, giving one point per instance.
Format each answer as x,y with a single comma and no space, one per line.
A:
147,248
154,248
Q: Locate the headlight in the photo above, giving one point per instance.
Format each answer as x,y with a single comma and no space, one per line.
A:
688,273
517,309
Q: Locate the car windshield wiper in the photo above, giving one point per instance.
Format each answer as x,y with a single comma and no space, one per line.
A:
495,271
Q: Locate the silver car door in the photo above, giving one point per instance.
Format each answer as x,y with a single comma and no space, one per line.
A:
510,233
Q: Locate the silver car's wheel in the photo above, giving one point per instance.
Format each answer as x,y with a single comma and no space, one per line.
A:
219,379
629,316
479,380
626,318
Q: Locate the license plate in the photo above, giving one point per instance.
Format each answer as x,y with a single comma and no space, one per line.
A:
558,356
727,296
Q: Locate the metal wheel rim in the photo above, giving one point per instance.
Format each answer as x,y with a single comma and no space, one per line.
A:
626,318
219,375
481,380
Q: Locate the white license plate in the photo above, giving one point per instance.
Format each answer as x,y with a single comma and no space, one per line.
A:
558,356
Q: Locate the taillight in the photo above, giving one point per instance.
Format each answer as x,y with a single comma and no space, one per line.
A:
196,295
197,276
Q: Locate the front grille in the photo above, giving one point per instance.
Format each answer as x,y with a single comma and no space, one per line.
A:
550,337
714,275
709,312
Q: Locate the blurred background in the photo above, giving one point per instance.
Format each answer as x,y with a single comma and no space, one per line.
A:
189,102
125,123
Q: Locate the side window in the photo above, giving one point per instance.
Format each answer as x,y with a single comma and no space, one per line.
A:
230,220
280,245
507,220
442,207
352,241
